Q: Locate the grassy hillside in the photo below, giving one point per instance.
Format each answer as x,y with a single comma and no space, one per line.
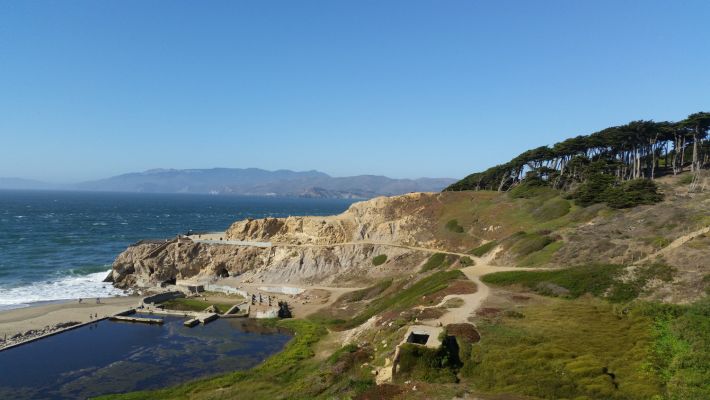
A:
598,322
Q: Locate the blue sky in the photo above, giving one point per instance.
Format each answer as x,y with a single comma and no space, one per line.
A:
400,88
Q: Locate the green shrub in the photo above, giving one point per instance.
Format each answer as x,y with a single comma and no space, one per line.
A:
593,190
342,352
656,270
593,279
686,179
404,298
484,248
453,226
435,261
529,188
379,260
681,348
428,365
552,209
596,279
541,257
466,261
454,302
658,242
513,314
603,188
633,193
526,243
367,293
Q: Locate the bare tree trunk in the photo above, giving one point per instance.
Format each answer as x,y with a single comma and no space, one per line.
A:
653,164
676,148
665,155
694,167
682,154
502,182
639,174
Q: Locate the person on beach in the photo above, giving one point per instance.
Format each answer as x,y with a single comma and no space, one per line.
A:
79,300
98,301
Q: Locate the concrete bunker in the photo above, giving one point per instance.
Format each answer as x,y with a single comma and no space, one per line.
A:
418,338
168,282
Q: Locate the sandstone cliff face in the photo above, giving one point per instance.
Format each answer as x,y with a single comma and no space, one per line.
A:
383,220
307,250
349,264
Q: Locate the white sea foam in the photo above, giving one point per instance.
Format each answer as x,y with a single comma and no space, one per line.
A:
69,287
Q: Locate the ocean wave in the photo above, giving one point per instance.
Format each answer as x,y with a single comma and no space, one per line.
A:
88,270
68,287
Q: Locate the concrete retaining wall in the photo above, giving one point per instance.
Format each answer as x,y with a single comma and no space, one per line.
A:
282,289
270,313
161,297
226,290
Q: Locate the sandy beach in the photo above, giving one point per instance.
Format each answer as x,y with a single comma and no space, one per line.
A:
36,317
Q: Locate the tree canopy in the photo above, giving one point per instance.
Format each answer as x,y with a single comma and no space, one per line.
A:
607,158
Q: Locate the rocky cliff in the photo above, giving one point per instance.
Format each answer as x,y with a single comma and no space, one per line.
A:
324,250
544,230
398,220
348,264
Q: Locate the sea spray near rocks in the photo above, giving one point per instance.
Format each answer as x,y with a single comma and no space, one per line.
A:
68,287
58,245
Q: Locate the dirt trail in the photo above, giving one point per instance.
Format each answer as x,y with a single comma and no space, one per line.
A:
472,302
374,243
675,244
213,238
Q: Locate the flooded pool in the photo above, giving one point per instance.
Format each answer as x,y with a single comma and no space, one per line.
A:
115,357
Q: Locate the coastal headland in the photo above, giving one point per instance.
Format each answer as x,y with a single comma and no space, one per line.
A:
393,273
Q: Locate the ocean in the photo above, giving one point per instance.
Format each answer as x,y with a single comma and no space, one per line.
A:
58,245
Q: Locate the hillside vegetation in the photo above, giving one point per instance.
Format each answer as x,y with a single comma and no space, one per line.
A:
604,240
616,165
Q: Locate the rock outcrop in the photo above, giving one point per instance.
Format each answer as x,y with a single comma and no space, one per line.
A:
323,250
384,220
347,264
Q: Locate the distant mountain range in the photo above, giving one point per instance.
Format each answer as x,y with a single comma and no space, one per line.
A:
246,182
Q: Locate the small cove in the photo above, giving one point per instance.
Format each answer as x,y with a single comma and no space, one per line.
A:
115,357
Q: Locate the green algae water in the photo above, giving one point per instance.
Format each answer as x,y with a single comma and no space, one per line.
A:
116,357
